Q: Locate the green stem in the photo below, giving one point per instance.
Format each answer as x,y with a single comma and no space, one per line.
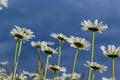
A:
112,68
16,51
89,75
59,53
17,59
93,40
55,75
39,57
93,76
75,58
47,60
92,54
39,62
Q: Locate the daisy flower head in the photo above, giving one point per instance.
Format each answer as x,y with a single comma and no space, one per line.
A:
95,27
59,36
3,63
22,33
33,75
112,51
3,3
104,78
76,76
78,42
47,43
38,44
48,50
56,68
95,66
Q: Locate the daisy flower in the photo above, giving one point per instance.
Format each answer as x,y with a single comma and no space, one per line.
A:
112,51
38,44
59,36
80,43
95,27
22,33
56,68
104,78
76,76
95,66
3,3
3,63
48,50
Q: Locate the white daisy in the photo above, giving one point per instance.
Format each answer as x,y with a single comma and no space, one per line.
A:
80,43
3,3
104,78
22,33
96,26
96,66
75,76
33,75
39,44
59,36
48,50
56,68
3,63
112,51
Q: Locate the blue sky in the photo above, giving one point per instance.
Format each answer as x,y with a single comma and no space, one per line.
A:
46,16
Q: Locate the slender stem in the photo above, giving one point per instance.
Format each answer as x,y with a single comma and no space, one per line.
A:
39,57
75,58
17,59
93,76
39,62
59,52
89,75
92,54
20,47
47,60
55,75
16,51
112,68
